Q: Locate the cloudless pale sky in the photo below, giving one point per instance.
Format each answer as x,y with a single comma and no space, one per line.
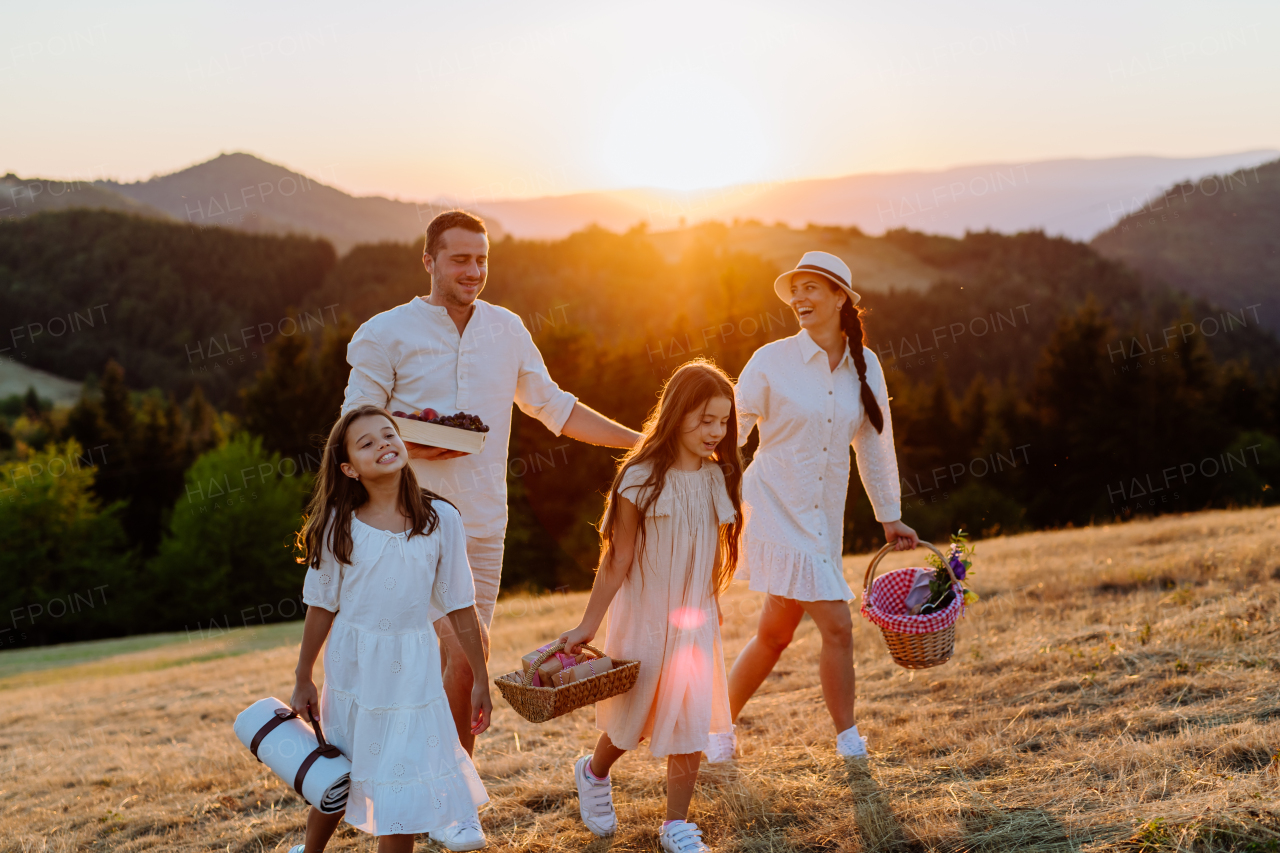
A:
492,98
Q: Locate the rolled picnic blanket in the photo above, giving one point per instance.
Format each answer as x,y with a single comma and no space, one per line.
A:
296,752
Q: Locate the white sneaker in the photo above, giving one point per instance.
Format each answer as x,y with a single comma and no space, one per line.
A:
681,836
461,835
298,848
850,744
722,746
595,800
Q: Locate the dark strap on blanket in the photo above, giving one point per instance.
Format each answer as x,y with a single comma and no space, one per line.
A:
325,749
278,717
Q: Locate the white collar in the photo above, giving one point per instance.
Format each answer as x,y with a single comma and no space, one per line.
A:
809,348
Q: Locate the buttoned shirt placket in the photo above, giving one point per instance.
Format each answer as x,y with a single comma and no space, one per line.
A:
818,361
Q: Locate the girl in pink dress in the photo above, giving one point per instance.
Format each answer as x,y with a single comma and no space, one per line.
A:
669,540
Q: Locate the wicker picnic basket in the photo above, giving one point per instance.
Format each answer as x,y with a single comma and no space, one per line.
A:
539,704
914,641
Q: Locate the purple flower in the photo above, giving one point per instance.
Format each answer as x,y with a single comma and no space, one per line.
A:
957,567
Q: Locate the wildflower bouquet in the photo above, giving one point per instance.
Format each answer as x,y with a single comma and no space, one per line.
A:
960,559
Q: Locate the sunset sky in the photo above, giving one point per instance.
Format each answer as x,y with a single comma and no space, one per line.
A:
510,99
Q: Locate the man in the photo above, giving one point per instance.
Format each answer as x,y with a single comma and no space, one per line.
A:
452,352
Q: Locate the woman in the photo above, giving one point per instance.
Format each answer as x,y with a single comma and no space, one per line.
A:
812,395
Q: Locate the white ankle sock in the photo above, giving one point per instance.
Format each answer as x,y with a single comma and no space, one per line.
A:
851,744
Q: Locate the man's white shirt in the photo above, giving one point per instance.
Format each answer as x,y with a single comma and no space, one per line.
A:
412,357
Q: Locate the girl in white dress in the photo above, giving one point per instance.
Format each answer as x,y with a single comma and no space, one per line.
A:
812,395
669,545
380,553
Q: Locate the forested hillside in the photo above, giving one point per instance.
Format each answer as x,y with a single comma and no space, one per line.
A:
174,305
1217,238
1035,384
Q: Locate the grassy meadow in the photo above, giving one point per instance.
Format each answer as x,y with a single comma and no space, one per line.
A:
1116,689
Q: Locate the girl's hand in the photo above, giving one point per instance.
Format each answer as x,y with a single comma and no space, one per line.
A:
902,537
481,706
574,639
305,697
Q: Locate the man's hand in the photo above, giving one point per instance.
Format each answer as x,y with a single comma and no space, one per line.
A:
431,454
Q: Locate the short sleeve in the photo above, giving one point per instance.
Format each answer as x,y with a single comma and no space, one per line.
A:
725,513
751,397
453,588
322,586
373,376
632,488
537,394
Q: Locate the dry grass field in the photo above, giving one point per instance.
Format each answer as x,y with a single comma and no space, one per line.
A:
1116,689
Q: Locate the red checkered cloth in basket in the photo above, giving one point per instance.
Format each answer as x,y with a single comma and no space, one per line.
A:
886,604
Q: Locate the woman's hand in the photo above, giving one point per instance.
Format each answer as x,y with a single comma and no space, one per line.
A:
902,537
481,706
575,638
305,697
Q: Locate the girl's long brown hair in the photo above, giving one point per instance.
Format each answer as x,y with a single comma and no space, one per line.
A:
689,389
337,496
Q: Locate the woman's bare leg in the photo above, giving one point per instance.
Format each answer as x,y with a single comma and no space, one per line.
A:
777,626
835,666
682,775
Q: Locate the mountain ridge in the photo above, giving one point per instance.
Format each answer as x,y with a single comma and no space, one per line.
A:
1072,197
1217,238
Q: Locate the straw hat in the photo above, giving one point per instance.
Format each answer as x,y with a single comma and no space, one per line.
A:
822,263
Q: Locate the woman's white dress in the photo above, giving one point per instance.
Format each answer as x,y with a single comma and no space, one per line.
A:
665,616
795,487
383,702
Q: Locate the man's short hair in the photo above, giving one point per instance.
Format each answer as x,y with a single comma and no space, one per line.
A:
451,219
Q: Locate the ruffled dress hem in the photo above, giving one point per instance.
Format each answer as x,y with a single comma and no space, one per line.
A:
791,573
